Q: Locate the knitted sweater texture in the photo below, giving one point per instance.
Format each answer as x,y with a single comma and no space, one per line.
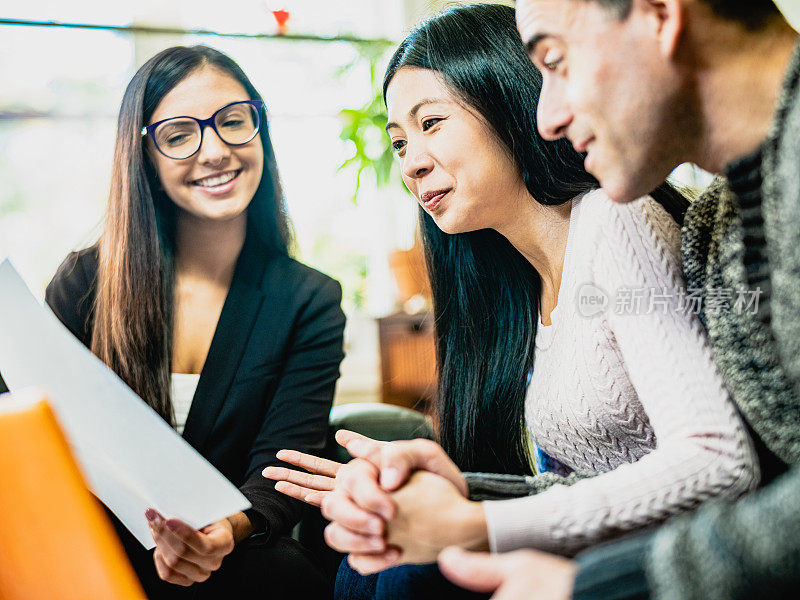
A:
750,549
625,389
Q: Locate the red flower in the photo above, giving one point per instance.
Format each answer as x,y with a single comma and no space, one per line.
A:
281,17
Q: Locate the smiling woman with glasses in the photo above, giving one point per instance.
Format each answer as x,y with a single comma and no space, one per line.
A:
191,297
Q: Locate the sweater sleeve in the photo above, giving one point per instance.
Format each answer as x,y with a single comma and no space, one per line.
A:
702,446
497,486
724,551
732,551
614,571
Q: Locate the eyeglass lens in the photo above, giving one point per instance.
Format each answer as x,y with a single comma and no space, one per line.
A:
180,137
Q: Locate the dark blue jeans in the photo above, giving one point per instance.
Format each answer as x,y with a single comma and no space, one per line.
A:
420,582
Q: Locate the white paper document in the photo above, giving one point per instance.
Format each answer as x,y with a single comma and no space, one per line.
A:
132,458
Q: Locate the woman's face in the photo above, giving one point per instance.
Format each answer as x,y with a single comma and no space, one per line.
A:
450,159
219,181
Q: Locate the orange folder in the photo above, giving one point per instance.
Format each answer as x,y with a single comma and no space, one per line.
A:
55,540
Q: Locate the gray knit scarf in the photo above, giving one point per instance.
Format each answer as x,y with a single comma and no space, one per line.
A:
744,349
781,212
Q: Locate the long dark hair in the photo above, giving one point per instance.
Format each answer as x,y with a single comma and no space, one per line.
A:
485,293
133,312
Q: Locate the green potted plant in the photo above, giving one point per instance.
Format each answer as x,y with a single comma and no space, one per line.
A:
363,129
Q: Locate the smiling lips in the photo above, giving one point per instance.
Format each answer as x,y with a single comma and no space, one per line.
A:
431,200
218,182
582,146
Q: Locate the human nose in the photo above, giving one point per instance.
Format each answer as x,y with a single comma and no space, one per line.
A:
417,162
212,149
553,114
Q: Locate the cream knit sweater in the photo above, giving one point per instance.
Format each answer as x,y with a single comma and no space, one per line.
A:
627,389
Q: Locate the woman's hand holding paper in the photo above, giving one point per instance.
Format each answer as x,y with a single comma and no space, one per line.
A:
185,555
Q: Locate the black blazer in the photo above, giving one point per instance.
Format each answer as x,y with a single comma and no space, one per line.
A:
270,374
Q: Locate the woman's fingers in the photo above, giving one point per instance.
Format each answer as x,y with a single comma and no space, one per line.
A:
338,507
187,535
366,564
321,483
166,573
306,495
178,541
344,540
176,570
309,462
400,459
162,536
173,550
360,446
397,460
307,487
394,461
315,498
358,479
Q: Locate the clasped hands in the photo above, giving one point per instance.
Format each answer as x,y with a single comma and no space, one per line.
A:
394,503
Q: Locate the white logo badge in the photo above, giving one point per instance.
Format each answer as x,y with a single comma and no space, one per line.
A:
592,300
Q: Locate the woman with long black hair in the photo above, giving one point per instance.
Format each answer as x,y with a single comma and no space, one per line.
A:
190,295
536,274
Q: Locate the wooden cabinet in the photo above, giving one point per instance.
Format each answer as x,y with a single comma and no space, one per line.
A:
408,360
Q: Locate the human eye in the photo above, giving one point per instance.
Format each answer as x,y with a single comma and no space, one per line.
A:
552,59
176,138
398,145
176,133
232,120
428,123
234,117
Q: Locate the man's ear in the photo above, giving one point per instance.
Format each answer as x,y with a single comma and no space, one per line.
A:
668,17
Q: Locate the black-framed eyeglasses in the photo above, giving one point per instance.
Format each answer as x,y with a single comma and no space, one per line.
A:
181,137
